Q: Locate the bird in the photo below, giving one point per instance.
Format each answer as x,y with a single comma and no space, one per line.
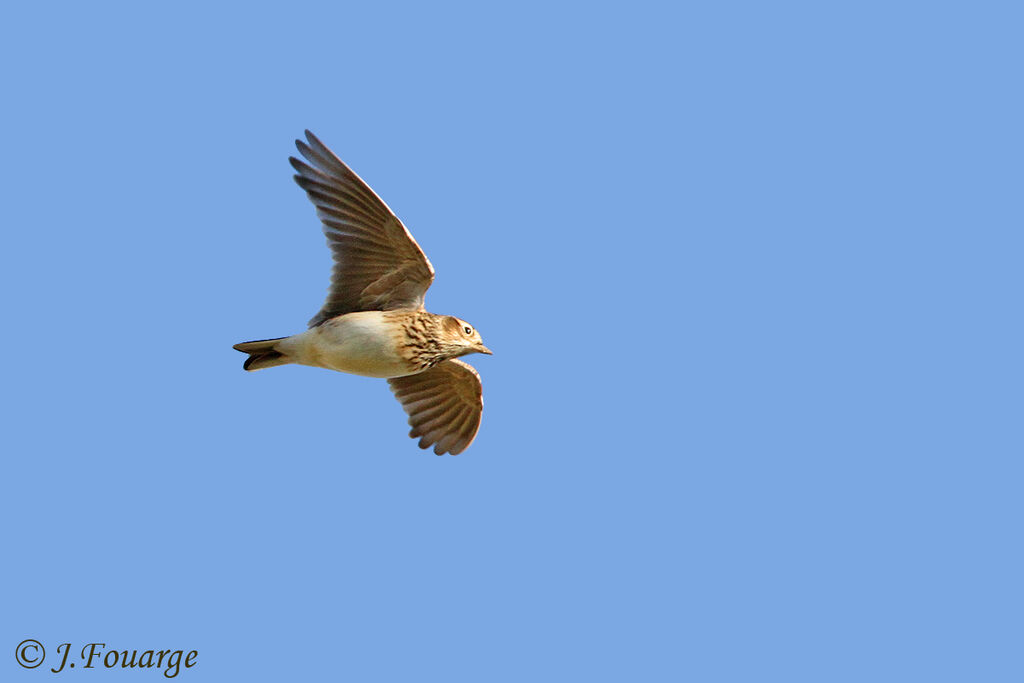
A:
374,322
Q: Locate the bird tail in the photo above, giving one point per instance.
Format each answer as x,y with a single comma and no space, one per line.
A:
262,354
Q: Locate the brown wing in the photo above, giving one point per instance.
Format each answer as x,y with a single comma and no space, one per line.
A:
444,405
377,264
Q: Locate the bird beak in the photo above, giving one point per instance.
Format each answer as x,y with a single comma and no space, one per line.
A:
484,349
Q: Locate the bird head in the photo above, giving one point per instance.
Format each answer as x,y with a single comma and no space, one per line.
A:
461,338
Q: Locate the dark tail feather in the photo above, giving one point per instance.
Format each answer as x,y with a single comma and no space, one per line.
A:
262,354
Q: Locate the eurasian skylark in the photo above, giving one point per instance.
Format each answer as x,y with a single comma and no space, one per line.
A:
374,323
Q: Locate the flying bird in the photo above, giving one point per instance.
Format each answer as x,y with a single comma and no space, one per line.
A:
373,322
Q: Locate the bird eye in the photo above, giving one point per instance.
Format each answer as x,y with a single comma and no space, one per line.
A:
467,329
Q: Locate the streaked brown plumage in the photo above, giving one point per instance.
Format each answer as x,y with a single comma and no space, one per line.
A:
373,322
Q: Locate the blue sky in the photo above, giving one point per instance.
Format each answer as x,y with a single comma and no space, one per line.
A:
751,273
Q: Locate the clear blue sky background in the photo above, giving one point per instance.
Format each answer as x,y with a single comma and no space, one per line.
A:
751,272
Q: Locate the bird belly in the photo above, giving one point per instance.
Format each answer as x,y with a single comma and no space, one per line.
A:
357,343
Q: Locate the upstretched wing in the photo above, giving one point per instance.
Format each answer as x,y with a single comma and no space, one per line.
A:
377,264
444,405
